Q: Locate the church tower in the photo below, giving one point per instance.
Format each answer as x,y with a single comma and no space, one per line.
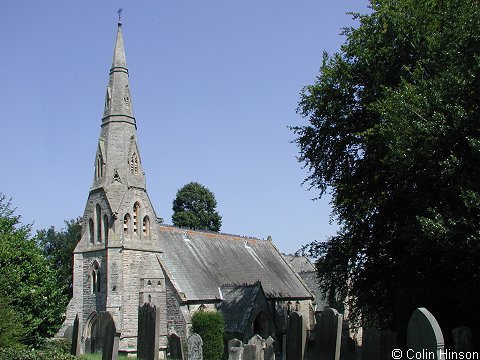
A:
120,230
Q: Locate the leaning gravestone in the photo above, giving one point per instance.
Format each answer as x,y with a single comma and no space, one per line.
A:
148,332
329,335
75,349
259,344
108,335
175,348
296,337
195,350
424,334
269,353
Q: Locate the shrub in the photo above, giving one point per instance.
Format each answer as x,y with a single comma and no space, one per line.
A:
209,325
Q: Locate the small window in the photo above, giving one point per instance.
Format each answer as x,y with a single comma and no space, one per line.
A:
91,230
98,212
136,215
95,278
105,227
146,226
297,306
126,224
134,164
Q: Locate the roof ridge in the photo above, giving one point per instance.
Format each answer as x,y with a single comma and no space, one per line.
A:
211,232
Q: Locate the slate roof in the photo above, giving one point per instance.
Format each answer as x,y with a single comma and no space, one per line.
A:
199,263
237,305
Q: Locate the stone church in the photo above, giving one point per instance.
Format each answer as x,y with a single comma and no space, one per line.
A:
127,256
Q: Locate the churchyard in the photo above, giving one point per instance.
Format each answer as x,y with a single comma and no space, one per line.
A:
330,340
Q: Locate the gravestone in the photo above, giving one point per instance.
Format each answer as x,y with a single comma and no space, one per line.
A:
75,349
148,332
235,343
269,353
107,333
195,347
462,339
250,352
329,335
424,334
347,344
175,348
235,353
296,337
259,344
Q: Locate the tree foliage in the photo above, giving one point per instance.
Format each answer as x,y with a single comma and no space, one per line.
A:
210,326
58,246
28,284
194,207
394,135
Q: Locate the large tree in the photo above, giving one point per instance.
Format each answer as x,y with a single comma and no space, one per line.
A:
195,207
58,246
29,286
394,136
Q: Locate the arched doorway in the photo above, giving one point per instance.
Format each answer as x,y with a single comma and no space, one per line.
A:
91,334
261,325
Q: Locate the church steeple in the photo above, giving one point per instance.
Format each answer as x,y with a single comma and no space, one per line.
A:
118,162
118,103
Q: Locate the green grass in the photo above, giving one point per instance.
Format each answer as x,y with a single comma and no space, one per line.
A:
99,356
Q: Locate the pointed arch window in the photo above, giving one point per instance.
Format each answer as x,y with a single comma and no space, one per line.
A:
98,213
126,224
99,167
146,226
91,230
105,227
95,278
134,164
136,215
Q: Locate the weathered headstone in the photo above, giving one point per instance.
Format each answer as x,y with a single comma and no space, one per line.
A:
329,335
260,345
195,347
424,334
347,344
462,339
235,343
296,337
269,353
175,348
148,332
107,332
75,349
250,352
235,353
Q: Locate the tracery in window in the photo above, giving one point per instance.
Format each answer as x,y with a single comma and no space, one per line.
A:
95,278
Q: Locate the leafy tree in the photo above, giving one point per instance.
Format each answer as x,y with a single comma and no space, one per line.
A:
27,280
194,207
58,246
394,135
12,331
210,326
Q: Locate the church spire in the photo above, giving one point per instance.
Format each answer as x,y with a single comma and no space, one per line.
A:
118,104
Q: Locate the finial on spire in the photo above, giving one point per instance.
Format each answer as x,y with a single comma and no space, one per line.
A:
119,12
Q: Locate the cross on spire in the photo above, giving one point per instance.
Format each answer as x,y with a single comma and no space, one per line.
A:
119,12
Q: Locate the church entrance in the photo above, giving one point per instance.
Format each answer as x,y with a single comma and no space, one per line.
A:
261,325
91,334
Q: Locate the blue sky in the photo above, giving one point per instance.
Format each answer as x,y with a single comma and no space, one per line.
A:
214,86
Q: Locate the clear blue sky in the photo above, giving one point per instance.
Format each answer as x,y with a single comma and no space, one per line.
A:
214,84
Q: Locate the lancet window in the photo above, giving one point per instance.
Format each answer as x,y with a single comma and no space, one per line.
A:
136,215
126,224
95,278
134,164
98,212
105,226
91,230
146,226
